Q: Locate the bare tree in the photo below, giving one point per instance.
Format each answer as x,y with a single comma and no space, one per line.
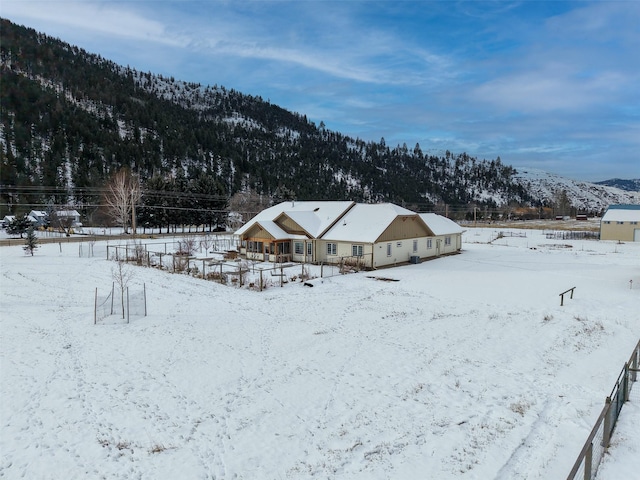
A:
122,195
122,275
244,206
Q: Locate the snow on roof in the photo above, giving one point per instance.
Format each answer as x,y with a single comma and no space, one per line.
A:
314,216
622,213
440,225
273,229
365,222
309,221
67,213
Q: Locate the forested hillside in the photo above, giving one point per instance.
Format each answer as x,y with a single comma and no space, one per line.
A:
71,119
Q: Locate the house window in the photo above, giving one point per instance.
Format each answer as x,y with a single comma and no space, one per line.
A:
399,244
298,248
356,250
388,249
309,249
415,245
332,248
447,240
429,243
284,248
254,247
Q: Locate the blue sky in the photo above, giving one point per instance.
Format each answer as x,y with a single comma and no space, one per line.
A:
551,85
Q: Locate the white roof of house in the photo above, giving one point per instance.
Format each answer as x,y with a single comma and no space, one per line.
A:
365,222
314,217
67,213
440,225
38,213
622,213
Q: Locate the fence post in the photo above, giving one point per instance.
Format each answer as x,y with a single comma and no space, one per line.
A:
625,383
261,280
587,462
113,284
606,434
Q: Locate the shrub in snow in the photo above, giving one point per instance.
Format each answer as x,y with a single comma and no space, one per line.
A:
31,242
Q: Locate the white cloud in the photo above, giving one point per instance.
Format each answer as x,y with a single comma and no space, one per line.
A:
112,19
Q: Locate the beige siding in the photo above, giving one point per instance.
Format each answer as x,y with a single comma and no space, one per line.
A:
289,225
622,231
344,251
404,227
257,232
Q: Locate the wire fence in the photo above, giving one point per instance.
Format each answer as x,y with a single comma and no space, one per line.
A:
119,305
224,265
572,235
586,466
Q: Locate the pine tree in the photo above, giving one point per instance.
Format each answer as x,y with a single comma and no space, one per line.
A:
31,241
18,226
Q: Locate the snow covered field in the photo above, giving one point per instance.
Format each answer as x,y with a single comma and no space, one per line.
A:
463,367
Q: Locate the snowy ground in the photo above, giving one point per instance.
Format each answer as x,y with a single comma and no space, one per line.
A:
464,367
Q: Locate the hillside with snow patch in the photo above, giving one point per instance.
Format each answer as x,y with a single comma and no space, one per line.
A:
584,196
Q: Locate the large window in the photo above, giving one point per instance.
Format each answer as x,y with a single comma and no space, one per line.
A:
298,248
429,243
255,247
332,248
356,250
447,240
388,249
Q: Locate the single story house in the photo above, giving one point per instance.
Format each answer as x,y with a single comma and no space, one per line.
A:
622,223
370,235
7,220
38,218
286,231
68,218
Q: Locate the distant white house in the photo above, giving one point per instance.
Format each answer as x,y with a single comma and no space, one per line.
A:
38,218
7,220
371,235
68,217
622,223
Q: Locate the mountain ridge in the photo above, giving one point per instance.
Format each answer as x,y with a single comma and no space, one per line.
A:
85,117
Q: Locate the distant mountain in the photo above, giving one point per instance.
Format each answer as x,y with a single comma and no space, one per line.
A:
71,119
627,185
546,188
